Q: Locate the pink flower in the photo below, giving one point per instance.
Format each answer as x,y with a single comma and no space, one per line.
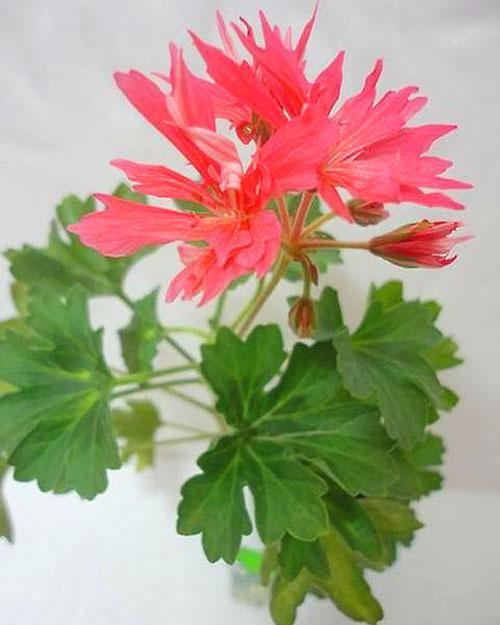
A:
271,86
377,157
374,155
363,147
238,250
421,244
240,235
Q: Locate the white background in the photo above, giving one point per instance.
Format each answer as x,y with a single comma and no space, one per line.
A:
61,120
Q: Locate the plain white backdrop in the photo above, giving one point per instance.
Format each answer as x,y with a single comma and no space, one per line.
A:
62,119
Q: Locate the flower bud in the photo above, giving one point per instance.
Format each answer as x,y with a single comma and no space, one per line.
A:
302,317
367,213
420,244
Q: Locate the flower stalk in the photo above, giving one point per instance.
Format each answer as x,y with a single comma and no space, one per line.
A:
264,295
301,215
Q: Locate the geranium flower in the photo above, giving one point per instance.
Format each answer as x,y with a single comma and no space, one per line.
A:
375,155
239,233
304,143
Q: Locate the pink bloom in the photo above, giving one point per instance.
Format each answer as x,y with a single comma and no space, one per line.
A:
364,148
238,249
291,158
421,244
375,155
126,227
271,85
235,243
239,234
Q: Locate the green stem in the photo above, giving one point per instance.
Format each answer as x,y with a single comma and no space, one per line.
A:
219,309
178,348
315,244
244,311
306,292
186,439
172,342
199,404
187,398
149,387
301,215
170,442
184,427
262,297
198,332
317,223
125,298
144,376
284,216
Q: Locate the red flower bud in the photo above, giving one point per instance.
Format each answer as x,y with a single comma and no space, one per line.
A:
421,244
302,317
367,213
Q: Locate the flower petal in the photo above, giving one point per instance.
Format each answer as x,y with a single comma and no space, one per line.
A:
223,152
161,181
125,227
240,81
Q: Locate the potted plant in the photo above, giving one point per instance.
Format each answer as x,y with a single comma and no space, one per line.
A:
318,445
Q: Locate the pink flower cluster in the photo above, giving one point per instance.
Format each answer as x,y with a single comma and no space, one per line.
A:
304,141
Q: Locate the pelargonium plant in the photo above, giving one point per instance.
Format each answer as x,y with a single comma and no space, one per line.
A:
319,447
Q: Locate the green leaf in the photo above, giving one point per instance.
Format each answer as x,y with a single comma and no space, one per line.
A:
190,207
350,518
14,325
344,585
20,296
388,294
382,362
138,426
5,522
322,259
395,522
443,355
139,340
307,412
426,457
287,494
213,504
65,261
328,315
293,201
287,596
238,371
372,527
298,555
417,469
285,441
287,497
57,428
126,193
311,414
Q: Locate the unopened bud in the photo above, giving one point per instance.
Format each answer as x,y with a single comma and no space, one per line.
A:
367,213
302,317
420,244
